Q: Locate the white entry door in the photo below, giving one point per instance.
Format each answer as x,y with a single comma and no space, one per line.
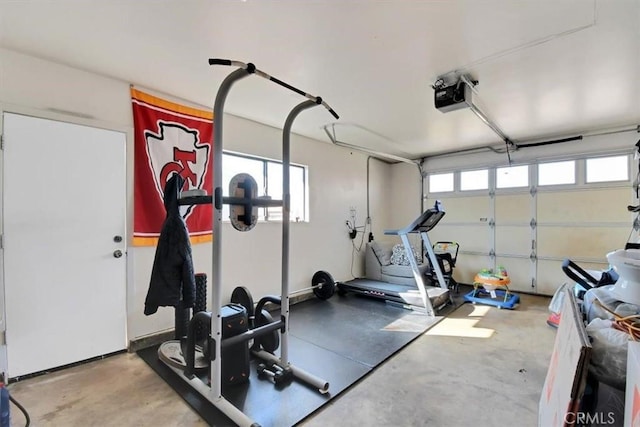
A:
64,223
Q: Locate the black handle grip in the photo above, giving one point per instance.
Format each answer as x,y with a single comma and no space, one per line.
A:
274,299
217,198
218,61
577,274
333,113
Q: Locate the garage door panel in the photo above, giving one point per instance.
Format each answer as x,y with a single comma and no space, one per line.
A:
582,222
469,265
519,270
551,276
470,237
601,205
580,242
515,207
466,209
513,240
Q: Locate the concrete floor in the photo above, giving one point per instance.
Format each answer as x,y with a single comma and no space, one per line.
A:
480,366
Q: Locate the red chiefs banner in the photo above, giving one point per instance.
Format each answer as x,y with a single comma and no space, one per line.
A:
169,138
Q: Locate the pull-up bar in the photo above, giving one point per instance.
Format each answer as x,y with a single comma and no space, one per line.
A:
212,389
251,69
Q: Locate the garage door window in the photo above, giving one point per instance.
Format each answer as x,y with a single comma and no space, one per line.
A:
474,180
606,169
512,177
441,182
557,173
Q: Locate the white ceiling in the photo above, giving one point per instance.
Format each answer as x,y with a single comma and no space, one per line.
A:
546,68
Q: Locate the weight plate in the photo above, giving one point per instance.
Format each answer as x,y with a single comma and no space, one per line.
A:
324,285
271,341
242,296
170,352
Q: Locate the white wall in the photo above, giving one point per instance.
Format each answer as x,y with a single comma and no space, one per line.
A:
405,195
405,198
381,200
337,181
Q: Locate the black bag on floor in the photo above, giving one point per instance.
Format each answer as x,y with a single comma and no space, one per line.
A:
235,358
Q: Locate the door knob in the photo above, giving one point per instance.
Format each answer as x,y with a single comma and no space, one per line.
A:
117,253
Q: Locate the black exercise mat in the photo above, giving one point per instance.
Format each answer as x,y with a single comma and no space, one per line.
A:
339,340
362,329
261,399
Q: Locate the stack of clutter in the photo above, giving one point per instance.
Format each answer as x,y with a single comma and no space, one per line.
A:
612,314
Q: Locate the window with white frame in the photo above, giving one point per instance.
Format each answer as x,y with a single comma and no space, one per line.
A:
474,180
268,176
441,182
557,173
512,177
606,169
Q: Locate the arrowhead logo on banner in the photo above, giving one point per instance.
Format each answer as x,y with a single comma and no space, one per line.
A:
169,138
175,148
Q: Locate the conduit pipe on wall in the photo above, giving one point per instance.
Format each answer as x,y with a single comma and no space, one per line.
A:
498,149
378,154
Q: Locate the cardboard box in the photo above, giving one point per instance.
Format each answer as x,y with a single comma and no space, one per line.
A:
567,374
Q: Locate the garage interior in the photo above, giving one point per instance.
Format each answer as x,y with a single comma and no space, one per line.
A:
520,119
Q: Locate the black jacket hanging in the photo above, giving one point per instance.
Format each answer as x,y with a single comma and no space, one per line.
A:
172,278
